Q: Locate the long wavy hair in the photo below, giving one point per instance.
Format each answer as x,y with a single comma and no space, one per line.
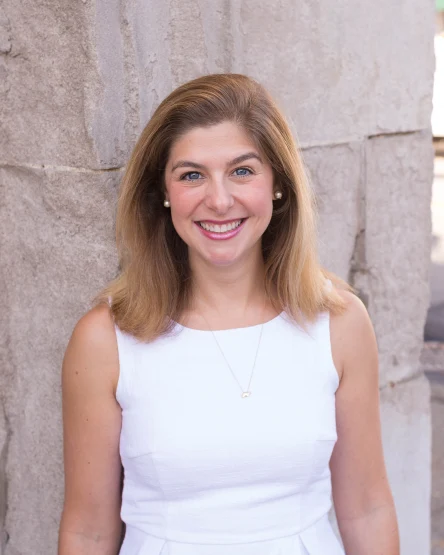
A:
153,287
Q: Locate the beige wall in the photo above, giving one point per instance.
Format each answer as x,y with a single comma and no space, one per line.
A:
78,80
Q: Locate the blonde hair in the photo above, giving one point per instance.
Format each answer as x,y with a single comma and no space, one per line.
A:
153,286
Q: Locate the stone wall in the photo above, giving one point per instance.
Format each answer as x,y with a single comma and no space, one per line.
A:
78,81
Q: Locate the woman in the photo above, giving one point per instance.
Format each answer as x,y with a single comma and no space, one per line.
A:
223,364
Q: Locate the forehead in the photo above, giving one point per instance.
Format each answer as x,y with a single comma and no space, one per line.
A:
224,139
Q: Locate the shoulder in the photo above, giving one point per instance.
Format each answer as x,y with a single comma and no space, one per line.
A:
92,354
355,312
352,334
95,325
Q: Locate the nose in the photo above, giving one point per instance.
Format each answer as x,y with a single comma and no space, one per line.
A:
218,196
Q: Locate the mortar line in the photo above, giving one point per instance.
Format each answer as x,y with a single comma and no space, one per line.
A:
359,138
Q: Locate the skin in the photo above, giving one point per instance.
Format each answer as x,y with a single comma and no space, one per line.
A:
361,493
227,281
90,523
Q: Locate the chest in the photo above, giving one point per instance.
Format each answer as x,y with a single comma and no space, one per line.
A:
186,421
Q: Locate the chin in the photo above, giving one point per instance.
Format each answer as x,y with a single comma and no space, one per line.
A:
221,260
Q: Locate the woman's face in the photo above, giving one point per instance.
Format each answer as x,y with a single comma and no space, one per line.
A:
221,193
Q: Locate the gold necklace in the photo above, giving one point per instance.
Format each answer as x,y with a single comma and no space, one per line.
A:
244,393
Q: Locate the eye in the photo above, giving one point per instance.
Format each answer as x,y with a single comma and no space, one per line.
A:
190,176
243,172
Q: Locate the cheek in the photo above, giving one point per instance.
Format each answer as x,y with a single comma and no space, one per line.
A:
183,205
262,204
183,202
262,199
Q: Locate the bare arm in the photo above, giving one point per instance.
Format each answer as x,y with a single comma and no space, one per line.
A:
363,501
90,523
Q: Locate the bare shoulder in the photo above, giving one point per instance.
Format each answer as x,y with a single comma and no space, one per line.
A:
91,430
355,312
92,352
352,334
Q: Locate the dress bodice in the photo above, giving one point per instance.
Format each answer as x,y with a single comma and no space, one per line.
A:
207,472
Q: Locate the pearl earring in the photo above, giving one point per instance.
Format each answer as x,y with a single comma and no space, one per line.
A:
166,203
277,195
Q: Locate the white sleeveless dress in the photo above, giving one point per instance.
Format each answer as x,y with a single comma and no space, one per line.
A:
207,472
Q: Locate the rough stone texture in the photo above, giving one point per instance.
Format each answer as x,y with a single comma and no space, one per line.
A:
4,443
43,74
6,372
405,412
336,176
186,39
59,250
79,80
392,266
342,73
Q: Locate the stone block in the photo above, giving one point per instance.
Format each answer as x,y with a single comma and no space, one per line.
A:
337,179
57,231
340,72
392,269
80,81
406,432
185,40
46,73
5,376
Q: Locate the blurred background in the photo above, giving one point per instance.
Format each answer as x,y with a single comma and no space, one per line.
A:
78,82
433,354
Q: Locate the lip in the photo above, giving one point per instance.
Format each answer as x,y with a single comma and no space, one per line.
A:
221,236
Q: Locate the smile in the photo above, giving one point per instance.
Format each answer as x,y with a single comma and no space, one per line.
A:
224,231
221,228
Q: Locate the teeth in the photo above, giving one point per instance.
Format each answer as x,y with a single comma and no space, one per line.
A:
220,228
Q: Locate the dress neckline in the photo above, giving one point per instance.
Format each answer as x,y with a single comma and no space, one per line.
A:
245,328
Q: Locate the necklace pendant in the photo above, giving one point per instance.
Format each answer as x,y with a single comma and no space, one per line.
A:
246,394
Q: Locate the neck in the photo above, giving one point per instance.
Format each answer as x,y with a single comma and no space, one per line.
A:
233,290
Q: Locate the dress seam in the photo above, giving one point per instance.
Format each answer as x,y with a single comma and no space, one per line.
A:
275,538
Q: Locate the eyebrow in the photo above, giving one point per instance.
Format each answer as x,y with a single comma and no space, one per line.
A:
237,160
